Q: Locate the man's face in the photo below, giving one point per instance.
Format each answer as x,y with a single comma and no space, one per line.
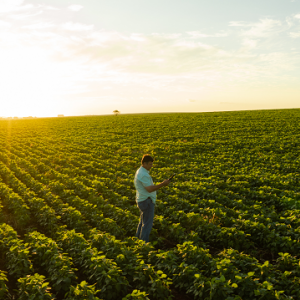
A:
148,165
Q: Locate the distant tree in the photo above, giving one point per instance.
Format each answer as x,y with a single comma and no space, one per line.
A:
116,112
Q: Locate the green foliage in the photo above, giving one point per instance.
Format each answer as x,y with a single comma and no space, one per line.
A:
129,258
136,295
15,252
95,266
47,255
82,291
227,227
34,287
3,286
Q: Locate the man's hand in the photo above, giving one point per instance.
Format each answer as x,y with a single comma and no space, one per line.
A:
153,188
166,182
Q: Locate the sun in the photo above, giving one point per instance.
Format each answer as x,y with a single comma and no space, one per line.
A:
30,83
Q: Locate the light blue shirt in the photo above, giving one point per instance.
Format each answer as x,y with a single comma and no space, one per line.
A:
142,178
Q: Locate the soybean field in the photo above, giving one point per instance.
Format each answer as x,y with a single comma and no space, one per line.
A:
227,227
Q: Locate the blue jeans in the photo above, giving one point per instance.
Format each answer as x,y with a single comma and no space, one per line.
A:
146,208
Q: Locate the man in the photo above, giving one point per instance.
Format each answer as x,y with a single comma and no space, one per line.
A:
146,197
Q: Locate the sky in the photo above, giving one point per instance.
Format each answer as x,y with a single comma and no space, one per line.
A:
90,57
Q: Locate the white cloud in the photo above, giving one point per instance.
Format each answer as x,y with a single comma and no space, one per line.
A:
137,37
98,38
41,25
249,43
254,35
4,25
294,35
169,36
22,16
239,24
158,60
289,22
9,5
281,60
24,7
77,26
51,7
75,7
263,28
198,34
297,16
171,62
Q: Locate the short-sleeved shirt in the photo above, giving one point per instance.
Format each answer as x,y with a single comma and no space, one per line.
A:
142,178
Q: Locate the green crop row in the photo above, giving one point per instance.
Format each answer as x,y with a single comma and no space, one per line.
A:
231,237
237,186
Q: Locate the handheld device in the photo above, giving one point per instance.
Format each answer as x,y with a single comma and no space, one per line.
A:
172,176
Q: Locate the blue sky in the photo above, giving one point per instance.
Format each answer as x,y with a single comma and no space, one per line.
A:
94,56
171,16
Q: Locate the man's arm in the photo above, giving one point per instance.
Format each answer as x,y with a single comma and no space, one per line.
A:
153,188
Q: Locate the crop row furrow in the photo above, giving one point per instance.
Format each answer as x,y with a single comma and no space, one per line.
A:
128,221
42,254
234,237
65,200
42,213
122,271
243,233
251,211
257,209
232,272
46,253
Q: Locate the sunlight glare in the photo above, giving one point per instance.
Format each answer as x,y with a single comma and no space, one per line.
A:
29,82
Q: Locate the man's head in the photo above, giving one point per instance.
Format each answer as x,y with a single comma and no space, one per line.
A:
147,161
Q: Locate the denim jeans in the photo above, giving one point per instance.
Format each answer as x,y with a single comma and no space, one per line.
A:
146,208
